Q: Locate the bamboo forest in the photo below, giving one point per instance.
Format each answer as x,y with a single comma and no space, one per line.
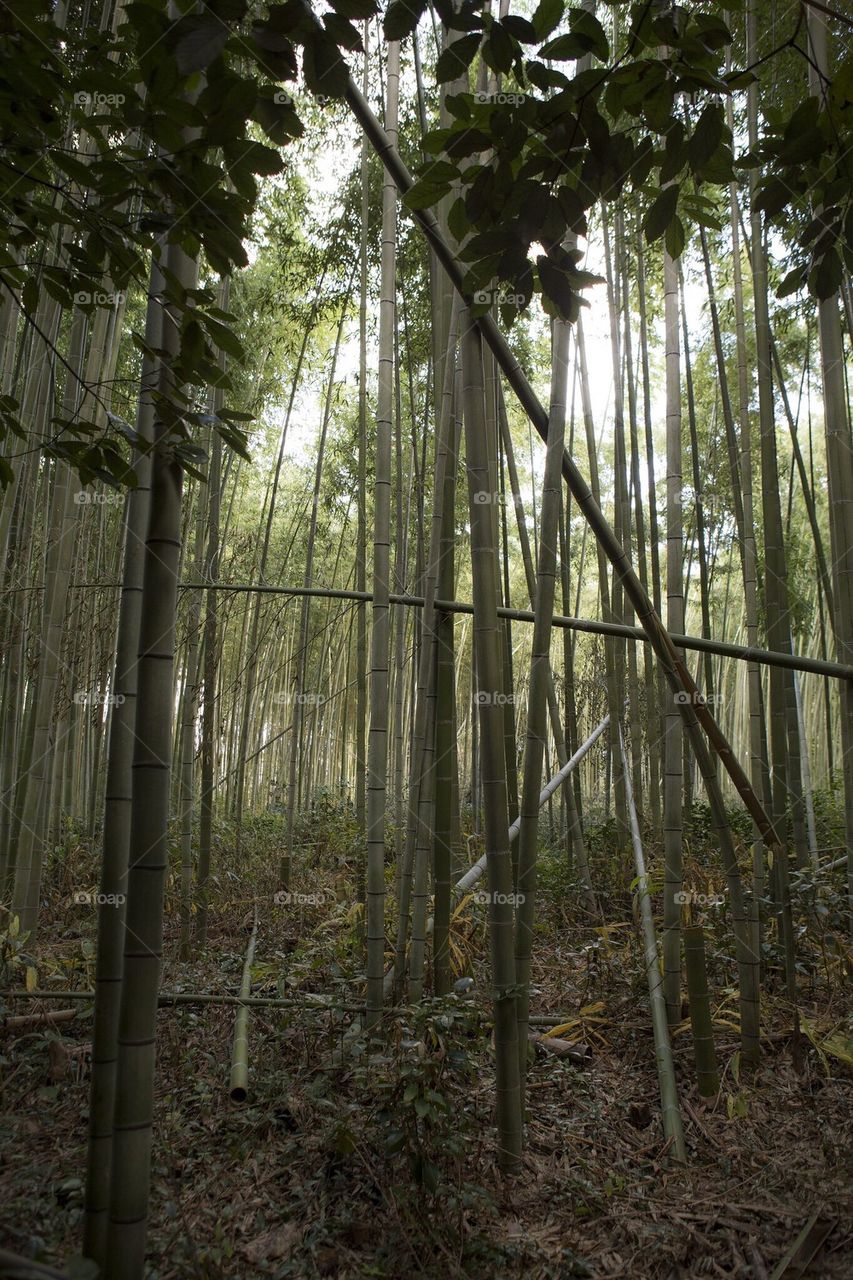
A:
426,619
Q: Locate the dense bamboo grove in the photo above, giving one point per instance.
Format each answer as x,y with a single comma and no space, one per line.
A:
431,427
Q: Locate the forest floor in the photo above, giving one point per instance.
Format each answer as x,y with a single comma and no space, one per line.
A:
355,1159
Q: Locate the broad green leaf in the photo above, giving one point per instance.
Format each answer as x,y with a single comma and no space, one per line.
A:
674,237
326,73
706,136
661,213
825,278
401,18
547,17
586,26
457,58
198,40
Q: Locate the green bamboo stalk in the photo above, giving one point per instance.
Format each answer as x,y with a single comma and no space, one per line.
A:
149,855
380,636
670,1109
695,971
480,469
118,812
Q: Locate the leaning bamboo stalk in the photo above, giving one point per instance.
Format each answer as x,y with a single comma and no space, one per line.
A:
671,1112
695,712
475,872
238,1087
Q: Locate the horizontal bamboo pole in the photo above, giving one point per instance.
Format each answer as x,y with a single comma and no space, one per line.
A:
43,1018
592,626
263,1002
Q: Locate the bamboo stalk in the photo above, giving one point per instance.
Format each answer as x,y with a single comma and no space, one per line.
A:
671,1112
695,971
239,1083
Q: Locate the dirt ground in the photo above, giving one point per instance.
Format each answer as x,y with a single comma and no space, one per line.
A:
379,1160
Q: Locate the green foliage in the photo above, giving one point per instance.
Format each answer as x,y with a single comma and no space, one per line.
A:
533,158
117,143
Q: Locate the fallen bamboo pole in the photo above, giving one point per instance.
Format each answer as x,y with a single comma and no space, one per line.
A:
312,1004
43,1018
